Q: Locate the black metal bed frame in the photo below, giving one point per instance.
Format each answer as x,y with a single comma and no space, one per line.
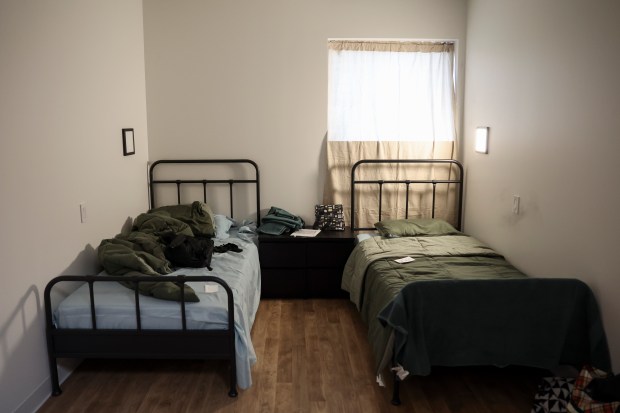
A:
408,183
139,343
178,182
142,343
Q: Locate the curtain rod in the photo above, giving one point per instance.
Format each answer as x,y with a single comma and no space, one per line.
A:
417,41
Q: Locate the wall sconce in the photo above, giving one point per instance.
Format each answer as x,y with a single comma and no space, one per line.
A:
129,145
482,139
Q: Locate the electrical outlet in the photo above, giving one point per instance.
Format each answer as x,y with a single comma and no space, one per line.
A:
516,200
82,212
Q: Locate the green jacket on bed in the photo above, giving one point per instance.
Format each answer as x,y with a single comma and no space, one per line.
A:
142,253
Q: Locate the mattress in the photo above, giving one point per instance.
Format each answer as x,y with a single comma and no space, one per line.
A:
115,306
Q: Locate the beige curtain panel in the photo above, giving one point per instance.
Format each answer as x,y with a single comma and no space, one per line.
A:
343,155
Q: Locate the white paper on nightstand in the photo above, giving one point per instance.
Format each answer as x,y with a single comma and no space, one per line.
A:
304,232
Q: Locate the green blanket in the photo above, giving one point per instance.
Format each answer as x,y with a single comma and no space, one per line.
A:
142,253
461,303
378,248
135,254
536,322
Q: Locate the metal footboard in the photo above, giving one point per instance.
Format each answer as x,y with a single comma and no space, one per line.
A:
139,343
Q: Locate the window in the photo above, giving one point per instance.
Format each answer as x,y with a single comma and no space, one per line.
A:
391,91
389,100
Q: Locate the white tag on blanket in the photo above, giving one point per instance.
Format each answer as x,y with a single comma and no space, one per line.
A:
404,260
400,372
211,287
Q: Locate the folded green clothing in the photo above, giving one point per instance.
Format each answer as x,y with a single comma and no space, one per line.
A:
277,221
273,228
279,212
289,222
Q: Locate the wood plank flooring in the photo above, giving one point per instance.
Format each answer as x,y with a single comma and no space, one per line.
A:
312,355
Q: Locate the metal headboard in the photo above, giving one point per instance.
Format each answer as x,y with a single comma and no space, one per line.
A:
178,182
429,162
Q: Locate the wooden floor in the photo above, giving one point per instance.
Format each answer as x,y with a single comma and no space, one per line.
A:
312,357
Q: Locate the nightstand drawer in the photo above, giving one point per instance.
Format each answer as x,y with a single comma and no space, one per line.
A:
328,254
283,283
282,255
325,283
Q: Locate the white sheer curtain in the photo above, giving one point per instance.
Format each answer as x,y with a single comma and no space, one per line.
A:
388,100
390,92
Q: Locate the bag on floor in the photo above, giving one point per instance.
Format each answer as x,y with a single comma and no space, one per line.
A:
553,395
588,388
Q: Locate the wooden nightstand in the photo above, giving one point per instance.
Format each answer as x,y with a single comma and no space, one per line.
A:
299,267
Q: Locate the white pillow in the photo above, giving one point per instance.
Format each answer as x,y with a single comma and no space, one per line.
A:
222,225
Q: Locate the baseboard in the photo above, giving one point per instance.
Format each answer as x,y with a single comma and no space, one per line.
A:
43,391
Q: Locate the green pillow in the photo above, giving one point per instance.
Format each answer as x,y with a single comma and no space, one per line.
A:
414,227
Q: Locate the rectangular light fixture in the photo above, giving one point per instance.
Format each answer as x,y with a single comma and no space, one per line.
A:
129,144
482,139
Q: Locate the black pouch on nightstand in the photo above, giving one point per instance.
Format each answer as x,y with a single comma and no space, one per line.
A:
329,217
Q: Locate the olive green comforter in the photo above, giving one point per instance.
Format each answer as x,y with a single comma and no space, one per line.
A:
141,252
461,303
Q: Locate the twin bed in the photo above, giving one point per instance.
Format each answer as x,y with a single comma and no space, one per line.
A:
104,319
454,302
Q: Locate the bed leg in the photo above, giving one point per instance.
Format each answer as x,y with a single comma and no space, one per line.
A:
233,382
396,392
56,391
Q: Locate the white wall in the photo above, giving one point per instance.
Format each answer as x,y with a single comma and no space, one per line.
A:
71,77
249,79
543,75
